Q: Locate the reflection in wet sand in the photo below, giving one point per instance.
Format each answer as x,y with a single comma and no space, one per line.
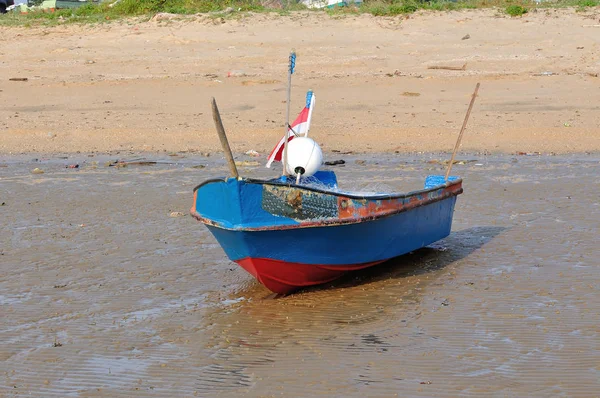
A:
104,293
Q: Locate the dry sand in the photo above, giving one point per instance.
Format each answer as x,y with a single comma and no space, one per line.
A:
146,86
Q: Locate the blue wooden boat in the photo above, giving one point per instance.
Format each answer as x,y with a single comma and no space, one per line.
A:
290,235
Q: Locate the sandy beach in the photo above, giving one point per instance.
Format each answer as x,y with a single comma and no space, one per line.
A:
109,288
146,86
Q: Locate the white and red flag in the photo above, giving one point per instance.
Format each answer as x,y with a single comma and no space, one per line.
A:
299,128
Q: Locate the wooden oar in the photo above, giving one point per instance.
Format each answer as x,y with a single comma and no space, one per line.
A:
223,139
462,130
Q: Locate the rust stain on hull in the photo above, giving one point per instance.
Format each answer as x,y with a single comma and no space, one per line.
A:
320,209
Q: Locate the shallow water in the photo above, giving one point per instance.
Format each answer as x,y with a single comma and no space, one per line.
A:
103,292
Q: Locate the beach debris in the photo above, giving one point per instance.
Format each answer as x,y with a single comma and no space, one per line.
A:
60,286
246,163
118,164
18,79
529,153
258,81
342,153
3,204
335,162
410,94
395,73
51,135
448,67
199,166
72,166
446,162
546,73
211,76
37,171
466,37
144,163
425,382
125,163
360,162
253,153
176,214
236,73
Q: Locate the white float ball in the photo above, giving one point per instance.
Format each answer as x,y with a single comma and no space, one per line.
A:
303,154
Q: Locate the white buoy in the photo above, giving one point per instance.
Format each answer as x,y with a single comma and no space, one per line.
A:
304,157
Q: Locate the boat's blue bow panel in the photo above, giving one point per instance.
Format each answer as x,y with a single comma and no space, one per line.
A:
235,204
433,181
248,204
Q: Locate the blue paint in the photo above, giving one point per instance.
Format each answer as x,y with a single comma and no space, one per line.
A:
435,180
357,243
219,201
236,204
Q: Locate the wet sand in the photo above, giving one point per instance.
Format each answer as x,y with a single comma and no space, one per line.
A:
106,292
146,85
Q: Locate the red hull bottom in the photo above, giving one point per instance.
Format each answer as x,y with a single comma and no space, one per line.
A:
283,277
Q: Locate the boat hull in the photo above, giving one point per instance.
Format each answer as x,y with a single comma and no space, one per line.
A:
288,259
289,236
285,277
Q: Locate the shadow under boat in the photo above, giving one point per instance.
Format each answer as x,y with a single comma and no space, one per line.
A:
457,246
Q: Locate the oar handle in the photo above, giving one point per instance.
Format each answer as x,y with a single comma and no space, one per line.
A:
223,138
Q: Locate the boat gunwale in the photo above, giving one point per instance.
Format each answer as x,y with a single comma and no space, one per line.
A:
348,195
334,221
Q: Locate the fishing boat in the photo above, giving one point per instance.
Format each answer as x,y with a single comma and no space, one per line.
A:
301,229
290,236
